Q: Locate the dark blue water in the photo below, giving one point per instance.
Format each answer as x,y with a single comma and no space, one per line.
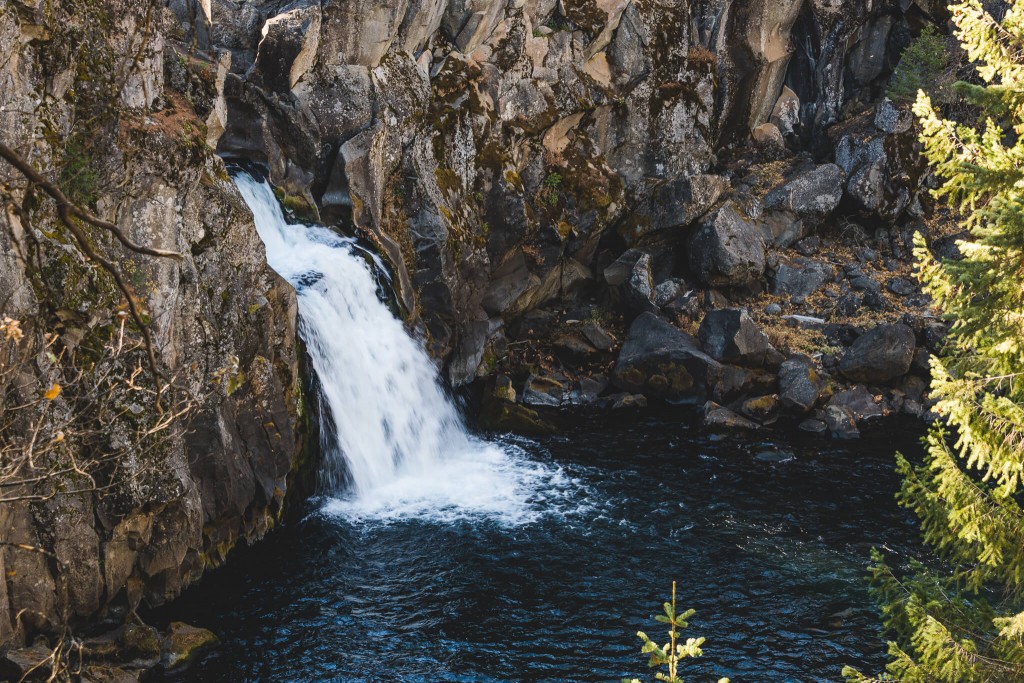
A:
768,541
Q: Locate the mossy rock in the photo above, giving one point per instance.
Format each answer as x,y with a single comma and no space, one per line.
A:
183,643
504,416
139,641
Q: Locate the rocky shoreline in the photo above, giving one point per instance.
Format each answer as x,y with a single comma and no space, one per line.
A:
785,305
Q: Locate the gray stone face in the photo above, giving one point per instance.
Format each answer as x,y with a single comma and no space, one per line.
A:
892,119
885,171
730,336
184,497
544,391
799,276
859,402
640,287
840,423
880,355
661,361
676,204
800,386
719,417
727,250
621,269
811,196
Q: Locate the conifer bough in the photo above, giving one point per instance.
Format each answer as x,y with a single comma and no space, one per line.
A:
961,619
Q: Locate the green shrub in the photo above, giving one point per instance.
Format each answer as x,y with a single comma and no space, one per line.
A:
923,65
669,655
78,177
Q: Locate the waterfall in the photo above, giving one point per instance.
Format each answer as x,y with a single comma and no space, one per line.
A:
393,443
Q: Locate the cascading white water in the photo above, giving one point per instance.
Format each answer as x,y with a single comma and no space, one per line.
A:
393,444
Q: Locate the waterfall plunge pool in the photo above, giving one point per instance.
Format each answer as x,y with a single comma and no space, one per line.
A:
768,541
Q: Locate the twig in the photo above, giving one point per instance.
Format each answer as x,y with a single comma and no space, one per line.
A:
70,208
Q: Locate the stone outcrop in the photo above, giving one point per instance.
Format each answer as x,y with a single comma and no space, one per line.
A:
490,148
181,493
880,355
728,250
661,361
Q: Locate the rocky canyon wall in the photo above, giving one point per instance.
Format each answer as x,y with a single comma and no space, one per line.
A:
491,147
137,501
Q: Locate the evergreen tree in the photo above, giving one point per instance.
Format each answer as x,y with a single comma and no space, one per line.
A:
961,619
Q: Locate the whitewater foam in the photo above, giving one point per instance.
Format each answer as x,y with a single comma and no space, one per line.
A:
394,446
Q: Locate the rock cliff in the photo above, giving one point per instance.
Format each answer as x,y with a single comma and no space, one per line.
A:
139,499
505,154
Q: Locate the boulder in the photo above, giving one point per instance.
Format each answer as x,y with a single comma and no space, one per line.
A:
674,204
728,250
891,119
879,355
668,291
586,391
661,361
721,418
626,400
840,423
812,195
801,276
901,286
183,643
786,112
19,663
640,287
885,174
686,305
763,409
543,391
735,382
598,337
502,415
859,402
813,426
800,386
621,269
731,336
768,135
782,229
572,346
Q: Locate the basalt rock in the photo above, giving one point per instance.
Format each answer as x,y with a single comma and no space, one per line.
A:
885,170
731,336
490,148
728,250
812,196
800,385
800,276
880,355
661,361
